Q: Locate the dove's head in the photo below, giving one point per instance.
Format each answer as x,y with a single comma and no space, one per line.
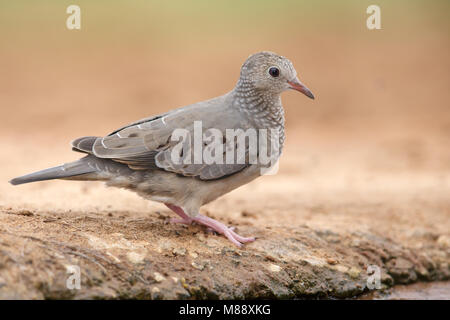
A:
270,72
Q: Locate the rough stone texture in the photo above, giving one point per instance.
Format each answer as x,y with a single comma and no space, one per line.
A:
317,246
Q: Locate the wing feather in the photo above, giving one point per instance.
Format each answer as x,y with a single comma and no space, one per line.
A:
147,144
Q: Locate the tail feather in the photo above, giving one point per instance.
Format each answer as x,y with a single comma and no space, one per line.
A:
60,172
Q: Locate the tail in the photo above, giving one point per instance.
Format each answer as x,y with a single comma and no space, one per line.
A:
72,169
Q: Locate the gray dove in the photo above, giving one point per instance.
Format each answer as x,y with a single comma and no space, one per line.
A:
145,158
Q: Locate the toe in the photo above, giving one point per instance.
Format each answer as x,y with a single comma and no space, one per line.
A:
232,239
177,220
242,239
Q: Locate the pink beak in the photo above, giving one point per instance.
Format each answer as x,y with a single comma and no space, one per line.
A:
297,85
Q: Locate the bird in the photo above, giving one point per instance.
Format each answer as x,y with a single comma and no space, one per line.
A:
140,156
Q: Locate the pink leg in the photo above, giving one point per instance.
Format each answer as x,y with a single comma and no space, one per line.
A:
211,223
184,217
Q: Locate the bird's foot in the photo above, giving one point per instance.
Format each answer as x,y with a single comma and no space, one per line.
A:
190,221
219,227
210,223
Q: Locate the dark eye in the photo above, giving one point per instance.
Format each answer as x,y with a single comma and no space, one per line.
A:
274,72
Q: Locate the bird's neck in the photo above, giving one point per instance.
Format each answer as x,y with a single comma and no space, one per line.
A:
263,106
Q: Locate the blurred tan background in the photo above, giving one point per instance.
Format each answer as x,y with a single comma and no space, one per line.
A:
364,177
379,129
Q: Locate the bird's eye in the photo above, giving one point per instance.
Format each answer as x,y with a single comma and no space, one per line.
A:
274,72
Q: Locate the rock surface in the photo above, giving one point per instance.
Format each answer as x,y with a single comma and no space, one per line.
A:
313,242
